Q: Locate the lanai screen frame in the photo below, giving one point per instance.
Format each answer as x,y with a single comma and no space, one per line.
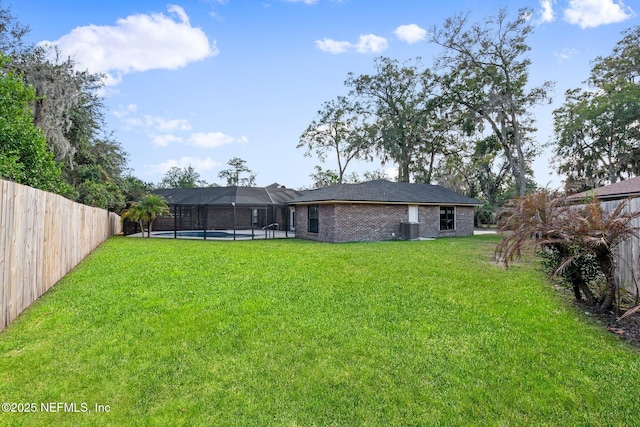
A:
269,218
227,208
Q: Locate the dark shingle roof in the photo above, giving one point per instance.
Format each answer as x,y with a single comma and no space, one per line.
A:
627,188
384,191
225,196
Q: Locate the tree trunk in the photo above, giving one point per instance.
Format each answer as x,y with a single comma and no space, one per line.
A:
513,165
576,291
609,297
432,160
591,300
517,140
403,171
607,265
580,285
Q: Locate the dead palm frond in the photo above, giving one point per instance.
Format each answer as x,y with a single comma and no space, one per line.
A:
545,220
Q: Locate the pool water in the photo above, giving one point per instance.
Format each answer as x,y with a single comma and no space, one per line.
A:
200,234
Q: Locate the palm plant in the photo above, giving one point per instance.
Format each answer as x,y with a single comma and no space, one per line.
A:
134,213
528,219
151,206
146,210
600,233
576,235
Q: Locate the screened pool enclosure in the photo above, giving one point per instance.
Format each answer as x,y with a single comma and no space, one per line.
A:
238,210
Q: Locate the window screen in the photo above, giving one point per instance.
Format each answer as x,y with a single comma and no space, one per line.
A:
313,218
447,218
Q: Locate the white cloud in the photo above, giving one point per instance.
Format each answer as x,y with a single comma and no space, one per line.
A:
159,124
124,111
198,163
165,140
370,43
161,129
565,54
367,43
166,125
302,1
333,46
214,139
546,12
593,13
411,33
137,43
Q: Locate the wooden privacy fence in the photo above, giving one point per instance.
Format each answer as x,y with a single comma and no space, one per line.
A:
628,254
42,237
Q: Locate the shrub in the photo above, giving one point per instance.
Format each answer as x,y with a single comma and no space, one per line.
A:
578,242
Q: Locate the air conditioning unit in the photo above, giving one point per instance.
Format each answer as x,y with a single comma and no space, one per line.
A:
409,230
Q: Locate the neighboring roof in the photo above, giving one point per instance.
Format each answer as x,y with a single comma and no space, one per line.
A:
226,196
620,190
383,191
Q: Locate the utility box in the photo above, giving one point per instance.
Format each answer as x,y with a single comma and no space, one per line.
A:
409,230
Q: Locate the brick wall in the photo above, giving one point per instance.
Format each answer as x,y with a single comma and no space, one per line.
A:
429,217
373,222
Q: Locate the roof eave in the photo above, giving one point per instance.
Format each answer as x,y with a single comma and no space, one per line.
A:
615,196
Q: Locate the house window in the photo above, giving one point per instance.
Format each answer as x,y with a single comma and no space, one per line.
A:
447,218
313,218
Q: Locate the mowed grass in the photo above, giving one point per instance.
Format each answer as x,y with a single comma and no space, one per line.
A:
295,333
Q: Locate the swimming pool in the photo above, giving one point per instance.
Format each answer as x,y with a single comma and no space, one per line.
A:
200,234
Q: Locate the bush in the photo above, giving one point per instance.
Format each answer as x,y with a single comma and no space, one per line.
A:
575,243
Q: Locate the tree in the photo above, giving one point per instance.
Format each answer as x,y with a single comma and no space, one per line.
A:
24,157
12,33
597,130
401,100
324,177
186,177
577,238
68,106
232,175
487,78
477,169
622,63
135,214
69,111
374,175
597,135
135,188
149,207
340,129
327,177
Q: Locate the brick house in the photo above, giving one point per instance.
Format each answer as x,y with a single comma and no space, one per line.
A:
382,210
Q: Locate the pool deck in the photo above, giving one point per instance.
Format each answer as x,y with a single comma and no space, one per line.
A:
258,234
240,235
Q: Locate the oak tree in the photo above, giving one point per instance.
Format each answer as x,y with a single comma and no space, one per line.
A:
233,174
340,131
597,129
487,81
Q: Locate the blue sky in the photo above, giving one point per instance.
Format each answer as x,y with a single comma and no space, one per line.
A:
201,81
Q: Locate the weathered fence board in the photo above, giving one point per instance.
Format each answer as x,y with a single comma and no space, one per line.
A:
628,253
42,237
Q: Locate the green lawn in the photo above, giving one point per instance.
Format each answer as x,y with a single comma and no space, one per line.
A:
298,333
